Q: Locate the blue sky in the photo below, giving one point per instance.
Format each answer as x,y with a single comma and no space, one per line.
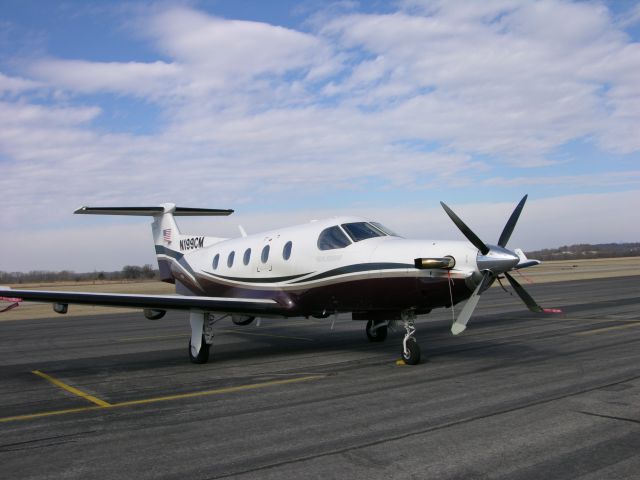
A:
288,111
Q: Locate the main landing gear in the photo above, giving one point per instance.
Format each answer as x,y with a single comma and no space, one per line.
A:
201,336
377,332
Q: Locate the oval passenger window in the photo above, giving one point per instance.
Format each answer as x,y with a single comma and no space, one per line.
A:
286,251
265,254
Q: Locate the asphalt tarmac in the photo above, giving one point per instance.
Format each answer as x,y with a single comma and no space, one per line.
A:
518,395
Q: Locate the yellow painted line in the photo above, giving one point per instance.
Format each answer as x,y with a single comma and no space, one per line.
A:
70,389
608,329
30,416
217,391
241,332
154,337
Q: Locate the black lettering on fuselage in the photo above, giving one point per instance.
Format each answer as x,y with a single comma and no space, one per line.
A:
191,243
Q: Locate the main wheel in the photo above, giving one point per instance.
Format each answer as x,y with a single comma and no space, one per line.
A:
412,356
203,354
377,335
242,320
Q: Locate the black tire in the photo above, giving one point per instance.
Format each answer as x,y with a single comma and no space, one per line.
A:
246,321
412,357
377,335
203,354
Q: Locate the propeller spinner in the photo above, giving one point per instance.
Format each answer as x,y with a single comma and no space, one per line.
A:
493,260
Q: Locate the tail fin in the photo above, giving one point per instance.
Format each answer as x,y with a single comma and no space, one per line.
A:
166,234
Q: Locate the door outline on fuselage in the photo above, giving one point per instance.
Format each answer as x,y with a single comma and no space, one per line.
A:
267,266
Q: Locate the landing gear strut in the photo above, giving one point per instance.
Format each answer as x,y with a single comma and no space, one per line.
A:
410,348
201,336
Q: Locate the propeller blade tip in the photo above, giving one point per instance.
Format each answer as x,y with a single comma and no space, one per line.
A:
458,328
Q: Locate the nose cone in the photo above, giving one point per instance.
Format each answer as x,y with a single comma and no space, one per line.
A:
498,260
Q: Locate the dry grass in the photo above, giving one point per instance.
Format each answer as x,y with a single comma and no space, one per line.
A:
563,270
556,271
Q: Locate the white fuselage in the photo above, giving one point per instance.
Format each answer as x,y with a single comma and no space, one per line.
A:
311,274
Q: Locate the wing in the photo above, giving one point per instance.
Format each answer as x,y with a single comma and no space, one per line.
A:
252,306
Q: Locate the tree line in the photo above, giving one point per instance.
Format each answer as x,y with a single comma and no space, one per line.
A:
586,250
128,272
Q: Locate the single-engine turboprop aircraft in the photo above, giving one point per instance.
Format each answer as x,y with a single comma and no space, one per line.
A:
325,267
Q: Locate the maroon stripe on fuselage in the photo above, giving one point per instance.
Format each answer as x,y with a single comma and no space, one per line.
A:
385,294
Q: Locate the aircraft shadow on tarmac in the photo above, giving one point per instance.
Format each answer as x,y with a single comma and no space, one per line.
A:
240,348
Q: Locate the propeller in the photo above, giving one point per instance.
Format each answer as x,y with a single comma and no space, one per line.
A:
493,260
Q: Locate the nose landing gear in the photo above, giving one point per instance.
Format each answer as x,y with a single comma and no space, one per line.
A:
410,348
377,332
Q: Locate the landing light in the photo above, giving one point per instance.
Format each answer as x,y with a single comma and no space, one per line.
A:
446,263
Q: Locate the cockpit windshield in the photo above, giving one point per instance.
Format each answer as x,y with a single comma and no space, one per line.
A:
362,230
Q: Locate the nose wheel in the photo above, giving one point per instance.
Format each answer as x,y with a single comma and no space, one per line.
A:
411,352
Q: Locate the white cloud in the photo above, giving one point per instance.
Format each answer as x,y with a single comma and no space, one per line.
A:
232,50
14,85
495,73
141,79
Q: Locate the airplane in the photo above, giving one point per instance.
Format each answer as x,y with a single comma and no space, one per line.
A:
325,267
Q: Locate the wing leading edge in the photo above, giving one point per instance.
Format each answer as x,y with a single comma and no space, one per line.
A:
253,306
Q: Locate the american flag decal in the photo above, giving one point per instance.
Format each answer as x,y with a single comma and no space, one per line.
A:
166,234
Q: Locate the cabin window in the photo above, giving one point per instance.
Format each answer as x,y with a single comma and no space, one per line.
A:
265,254
247,256
216,260
361,231
286,251
332,238
230,258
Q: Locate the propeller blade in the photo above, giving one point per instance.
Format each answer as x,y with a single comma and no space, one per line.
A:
511,223
522,293
460,324
466,231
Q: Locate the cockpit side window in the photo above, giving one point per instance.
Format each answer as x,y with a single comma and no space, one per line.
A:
361,231
332,238
385,230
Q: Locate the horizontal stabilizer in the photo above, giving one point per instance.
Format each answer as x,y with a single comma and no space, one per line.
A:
153,211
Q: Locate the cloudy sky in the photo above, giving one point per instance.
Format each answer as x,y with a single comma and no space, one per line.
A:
292,110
